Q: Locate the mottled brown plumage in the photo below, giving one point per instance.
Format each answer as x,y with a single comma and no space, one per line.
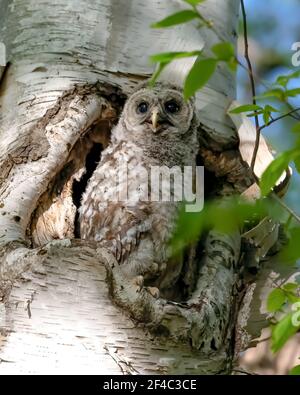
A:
157,128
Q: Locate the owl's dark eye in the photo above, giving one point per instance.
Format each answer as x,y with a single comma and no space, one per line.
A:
172,106
142,108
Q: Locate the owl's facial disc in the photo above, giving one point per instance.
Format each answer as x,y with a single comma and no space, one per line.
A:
158,110
152,114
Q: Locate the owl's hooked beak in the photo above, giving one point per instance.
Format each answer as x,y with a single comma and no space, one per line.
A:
156,118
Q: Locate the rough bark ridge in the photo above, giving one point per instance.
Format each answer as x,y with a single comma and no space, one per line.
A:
54,301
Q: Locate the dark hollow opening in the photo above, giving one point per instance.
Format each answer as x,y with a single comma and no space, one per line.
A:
92,160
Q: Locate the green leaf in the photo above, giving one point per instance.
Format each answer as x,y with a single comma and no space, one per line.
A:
193,2
274,171
232,64
246,108
176,19
188,228
295,371
276,300
267,113
167,57
284,79
294,74
296,128
282,332
292,92
266,117
164,58
271,108
297,161
225,216
292,297
254,114
276,93
223,51
198,76
290,286
157,73
291,251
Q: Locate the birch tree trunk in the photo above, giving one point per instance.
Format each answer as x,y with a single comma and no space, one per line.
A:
71,64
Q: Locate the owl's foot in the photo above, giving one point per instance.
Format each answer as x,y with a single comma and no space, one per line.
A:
137,270
153,291
138,282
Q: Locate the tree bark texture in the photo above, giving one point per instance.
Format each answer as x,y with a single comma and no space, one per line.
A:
71,65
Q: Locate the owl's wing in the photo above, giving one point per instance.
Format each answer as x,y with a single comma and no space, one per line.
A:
117,227
93,202
126,226
106,218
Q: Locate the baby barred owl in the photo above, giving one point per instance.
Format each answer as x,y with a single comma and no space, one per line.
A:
157,128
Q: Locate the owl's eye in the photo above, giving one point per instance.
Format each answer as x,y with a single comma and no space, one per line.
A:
172,106
142,108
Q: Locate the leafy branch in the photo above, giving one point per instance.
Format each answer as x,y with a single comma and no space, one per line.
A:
203,68
285,328
281,300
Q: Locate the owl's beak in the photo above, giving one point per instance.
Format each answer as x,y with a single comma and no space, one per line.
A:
155,118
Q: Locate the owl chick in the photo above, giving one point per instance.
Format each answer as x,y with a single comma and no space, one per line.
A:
157,128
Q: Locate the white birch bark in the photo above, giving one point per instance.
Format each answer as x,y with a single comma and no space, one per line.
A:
55,312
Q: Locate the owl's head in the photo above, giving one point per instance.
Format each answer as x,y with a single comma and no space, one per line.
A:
158,110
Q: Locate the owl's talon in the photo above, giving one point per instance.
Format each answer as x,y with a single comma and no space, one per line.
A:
138,281
153,291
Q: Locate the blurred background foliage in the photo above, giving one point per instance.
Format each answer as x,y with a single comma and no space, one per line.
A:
273,26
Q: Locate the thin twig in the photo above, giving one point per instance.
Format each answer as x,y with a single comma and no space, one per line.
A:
248,69
291,108
287,208
259,128
265,339
278,118
208,23
263,83
297,118
252,84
